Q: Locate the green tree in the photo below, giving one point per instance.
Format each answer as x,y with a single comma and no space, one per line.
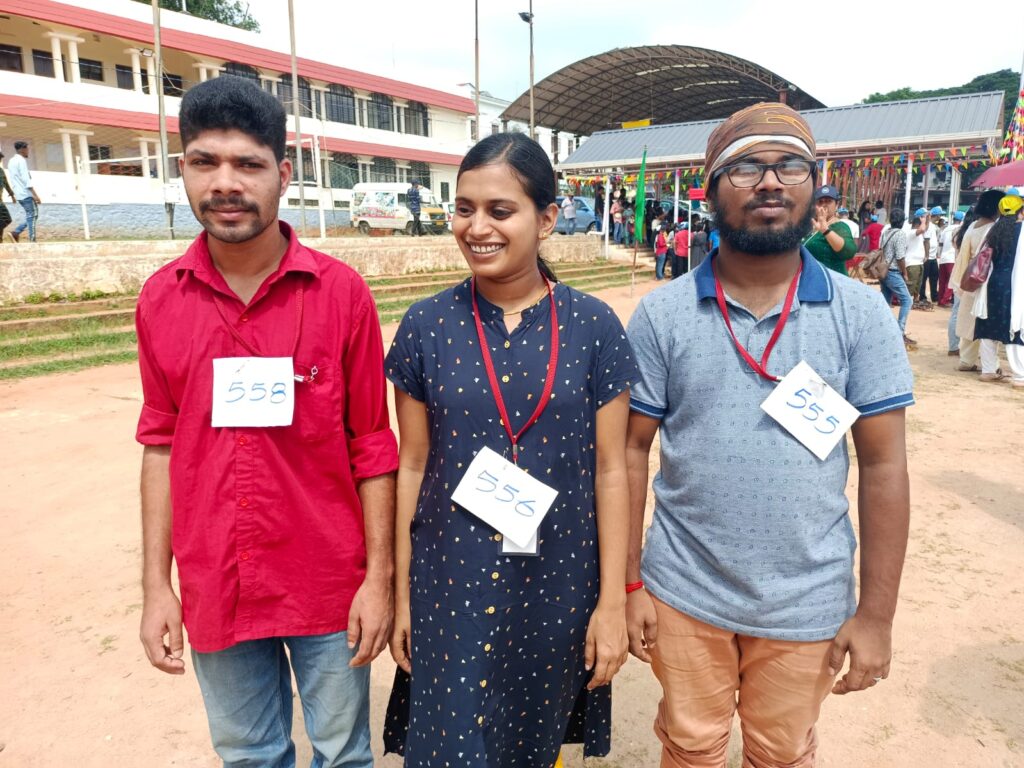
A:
1005,80
230,12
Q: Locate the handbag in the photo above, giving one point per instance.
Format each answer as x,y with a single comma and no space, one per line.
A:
875,265
978,269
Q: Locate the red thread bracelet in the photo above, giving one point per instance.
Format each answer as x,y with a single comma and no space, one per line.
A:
634,586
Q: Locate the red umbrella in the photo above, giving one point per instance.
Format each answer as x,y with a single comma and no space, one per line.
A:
1006,175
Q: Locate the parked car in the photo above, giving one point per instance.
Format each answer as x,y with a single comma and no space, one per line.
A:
585,219
449,213
383,206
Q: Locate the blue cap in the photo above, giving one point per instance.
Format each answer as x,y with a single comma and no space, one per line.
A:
874,217
958,215
843,209
826,190
937,211
921,212
1013,191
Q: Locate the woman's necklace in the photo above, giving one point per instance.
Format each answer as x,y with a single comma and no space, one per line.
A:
532,304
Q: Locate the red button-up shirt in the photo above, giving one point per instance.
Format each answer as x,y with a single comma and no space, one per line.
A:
267,525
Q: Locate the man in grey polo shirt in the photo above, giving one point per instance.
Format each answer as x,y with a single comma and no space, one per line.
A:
748,564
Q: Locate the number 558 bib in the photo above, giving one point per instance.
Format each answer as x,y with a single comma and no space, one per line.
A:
253,392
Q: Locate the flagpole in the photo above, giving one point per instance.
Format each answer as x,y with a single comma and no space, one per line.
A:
639,203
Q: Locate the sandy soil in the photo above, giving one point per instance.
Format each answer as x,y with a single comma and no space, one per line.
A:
77,690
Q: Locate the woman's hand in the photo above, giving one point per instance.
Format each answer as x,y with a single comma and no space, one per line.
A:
607,643
400,635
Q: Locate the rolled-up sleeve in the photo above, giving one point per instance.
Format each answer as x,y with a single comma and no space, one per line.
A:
159,412
372,447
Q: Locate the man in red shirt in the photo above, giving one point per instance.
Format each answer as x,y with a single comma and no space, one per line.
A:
267,473
873,232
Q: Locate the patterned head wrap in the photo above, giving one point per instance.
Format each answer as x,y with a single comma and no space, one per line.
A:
767,122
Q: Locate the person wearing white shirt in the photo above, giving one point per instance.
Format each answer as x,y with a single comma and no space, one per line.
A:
21,183
569,214
930,274
844,217
920,236
947,258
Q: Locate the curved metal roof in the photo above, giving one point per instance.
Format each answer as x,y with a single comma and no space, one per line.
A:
666,83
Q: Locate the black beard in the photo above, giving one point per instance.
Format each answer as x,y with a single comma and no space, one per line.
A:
764,242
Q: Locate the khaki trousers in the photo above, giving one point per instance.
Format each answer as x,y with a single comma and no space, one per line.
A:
708,673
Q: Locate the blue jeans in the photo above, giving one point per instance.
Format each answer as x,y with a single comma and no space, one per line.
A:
31,213
659,266
894,285
247,690
570,226
951,337
617,232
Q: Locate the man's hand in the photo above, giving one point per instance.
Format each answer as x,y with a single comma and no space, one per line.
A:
400,634
607,644
161,615
369,621
869,643
641,624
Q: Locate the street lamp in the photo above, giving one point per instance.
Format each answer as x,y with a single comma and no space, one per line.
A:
527,16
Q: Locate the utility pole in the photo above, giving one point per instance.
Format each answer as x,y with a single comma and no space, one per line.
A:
476,64
162,116
527,16
296,113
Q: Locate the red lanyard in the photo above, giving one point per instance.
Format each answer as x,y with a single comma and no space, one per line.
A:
760,368
549,380
249,345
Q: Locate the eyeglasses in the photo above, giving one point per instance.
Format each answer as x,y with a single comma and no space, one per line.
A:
788,172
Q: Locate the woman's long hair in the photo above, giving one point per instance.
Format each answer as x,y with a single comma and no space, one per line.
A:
1002,236
529,164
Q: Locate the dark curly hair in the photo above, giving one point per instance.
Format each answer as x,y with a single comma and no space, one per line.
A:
233,103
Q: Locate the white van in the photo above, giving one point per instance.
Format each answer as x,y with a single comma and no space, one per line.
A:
383,205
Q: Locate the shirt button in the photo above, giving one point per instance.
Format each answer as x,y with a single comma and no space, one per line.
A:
494,575
505,378
243,319
244,556
490,609
507,344
487,647
242,440
243,502
497,537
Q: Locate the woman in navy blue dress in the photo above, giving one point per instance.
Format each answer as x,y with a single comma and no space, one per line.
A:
510,655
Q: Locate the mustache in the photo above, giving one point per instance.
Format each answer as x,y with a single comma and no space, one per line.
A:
236,202
767,199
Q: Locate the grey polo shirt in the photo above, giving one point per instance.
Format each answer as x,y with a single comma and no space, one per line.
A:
751,532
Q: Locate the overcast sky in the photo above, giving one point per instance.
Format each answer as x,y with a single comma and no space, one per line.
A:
834,55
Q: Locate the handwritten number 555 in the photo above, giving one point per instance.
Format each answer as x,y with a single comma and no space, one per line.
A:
806,404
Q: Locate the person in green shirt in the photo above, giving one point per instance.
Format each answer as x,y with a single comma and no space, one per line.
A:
830,241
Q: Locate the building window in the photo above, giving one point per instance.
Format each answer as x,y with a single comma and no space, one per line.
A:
308,167
420,172
173,85
417,119
472,129
446,193
91,69
340,104
379,113
383,170
42,63
10,58
241,70
342,170
495,129
100,152
284,95
125,78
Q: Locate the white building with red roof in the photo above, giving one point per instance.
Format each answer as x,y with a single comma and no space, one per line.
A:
78,82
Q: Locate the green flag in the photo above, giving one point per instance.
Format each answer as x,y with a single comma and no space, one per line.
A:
641,199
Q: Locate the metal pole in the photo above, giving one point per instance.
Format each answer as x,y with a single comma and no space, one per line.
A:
532,131
910,184
476,65
162,114
296,114
606,214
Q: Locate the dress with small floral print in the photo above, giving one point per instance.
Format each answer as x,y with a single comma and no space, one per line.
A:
497,644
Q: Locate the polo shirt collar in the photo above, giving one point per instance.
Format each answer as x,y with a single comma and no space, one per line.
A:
197,259
815,282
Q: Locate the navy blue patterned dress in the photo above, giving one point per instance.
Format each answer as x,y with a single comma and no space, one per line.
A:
497,641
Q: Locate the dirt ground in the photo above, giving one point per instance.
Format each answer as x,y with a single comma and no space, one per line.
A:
77,690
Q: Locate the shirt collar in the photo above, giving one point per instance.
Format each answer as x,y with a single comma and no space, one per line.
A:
815,282
297,258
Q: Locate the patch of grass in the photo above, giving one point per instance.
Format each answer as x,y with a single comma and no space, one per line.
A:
67,365
79,342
